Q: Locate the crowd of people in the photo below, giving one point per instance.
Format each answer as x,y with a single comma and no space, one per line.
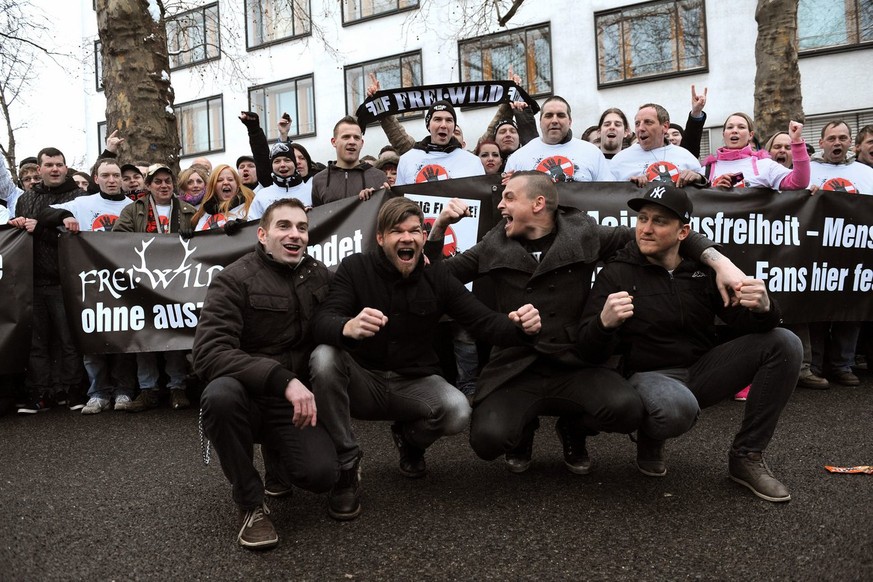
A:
289,353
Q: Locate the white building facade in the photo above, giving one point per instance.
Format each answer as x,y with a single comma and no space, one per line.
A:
311,58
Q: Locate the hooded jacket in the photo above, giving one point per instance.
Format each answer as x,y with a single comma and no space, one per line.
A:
335,183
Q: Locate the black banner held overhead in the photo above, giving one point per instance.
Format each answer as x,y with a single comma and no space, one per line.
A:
142,292
16,286
400,100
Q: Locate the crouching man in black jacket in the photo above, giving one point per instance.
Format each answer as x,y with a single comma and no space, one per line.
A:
377,360
658,311
253,345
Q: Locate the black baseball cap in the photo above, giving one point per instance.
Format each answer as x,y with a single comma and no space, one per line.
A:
131,167
666,195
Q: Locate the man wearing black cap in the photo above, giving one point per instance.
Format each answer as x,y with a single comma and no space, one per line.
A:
287,182
657,310
248,171
133,181
439,156
546,254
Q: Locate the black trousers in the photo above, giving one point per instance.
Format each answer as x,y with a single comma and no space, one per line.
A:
591,400
234,421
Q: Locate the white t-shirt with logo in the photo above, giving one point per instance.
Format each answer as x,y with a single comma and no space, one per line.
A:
664,163
574,161
210,221
757,173
417,166
855,178
268,195
94,212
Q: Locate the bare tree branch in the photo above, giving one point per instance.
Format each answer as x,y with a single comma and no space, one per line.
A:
503,20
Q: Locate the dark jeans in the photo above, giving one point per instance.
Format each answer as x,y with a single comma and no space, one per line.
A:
50,326
427,407
597,399
234,421
770,362
833,346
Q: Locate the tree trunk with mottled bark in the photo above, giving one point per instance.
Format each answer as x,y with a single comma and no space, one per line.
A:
778,97
136,81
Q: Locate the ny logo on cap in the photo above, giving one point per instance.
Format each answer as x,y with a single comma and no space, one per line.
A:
658,192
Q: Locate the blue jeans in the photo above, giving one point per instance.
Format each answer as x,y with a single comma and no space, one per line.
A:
466,359
833,346
234,420
50,326
427,407
108,374
147,371
769,361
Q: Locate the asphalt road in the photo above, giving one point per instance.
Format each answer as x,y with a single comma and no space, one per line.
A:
126,497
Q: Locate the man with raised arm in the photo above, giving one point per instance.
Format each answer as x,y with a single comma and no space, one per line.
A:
546,255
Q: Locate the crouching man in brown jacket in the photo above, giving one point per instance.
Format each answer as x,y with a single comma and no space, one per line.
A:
253,345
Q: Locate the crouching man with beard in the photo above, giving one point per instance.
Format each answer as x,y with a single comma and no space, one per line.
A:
377,360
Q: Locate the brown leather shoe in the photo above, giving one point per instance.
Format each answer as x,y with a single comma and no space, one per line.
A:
256,531
813,382
846,379
751,471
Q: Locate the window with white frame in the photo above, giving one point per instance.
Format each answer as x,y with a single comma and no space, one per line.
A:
357,10
193,36
392,72
101,137
528,51
834,24
98,64
201,126
296,97
655,39
273,21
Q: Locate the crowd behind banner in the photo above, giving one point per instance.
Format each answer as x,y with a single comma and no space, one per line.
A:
133,292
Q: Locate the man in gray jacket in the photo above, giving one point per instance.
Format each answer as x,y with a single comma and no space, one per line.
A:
347,176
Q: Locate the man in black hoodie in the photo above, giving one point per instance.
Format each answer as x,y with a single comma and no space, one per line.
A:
347,176
48,386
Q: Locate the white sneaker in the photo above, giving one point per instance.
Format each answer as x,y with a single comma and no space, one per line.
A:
95,405
123,402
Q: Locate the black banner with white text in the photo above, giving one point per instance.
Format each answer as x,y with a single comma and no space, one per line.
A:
129,292
477,93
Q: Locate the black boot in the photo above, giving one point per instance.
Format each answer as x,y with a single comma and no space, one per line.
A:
344,502
412,463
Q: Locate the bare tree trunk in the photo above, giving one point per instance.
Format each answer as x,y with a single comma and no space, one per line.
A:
136,80
778,96
8,150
